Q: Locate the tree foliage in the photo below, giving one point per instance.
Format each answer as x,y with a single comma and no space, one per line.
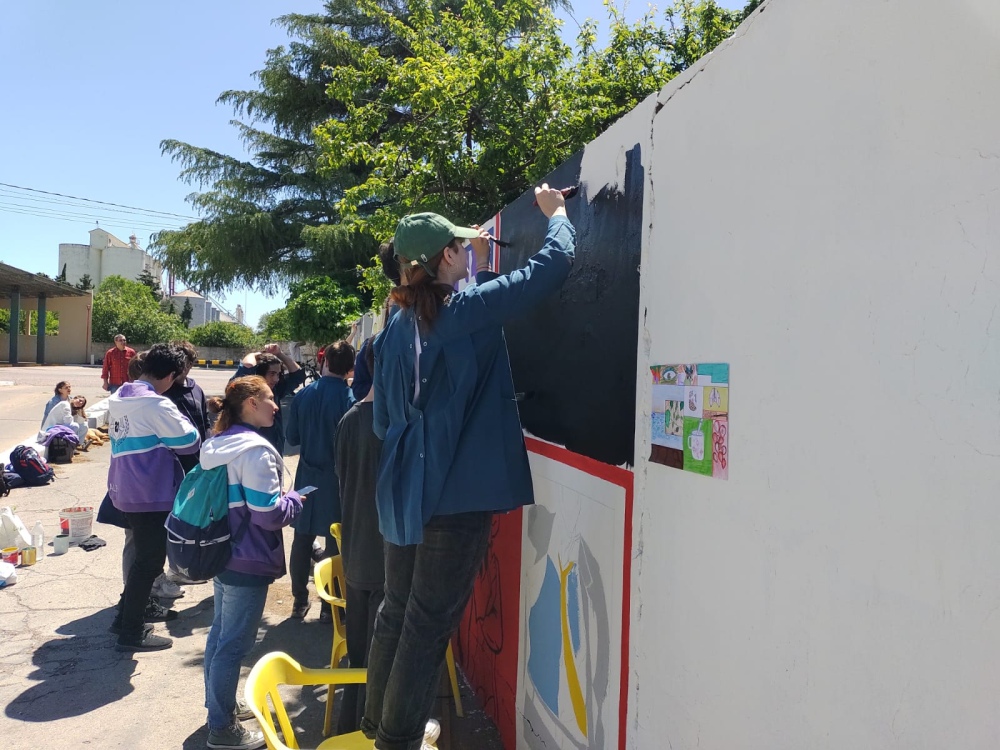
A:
129,307
146,278
51,322
85,283
320,310
186,313
380,107
275,326
219,333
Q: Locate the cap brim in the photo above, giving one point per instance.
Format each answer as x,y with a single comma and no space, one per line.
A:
466,233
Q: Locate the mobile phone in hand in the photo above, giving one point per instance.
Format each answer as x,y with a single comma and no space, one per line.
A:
306,490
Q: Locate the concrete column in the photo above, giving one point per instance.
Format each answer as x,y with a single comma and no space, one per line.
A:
40,341
15,324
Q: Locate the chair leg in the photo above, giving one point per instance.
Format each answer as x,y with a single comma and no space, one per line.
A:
449,657
328,716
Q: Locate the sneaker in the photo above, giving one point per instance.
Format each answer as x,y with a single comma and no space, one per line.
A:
156,612
164,588
431,733
300,610
146,642
242,711
235,737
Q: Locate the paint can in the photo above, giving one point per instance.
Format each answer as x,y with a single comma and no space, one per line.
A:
29,556
10,555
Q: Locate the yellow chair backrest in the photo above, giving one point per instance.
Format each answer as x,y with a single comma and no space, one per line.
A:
331,585
337,533
276,669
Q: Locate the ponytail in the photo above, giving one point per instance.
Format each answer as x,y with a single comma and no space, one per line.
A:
230,408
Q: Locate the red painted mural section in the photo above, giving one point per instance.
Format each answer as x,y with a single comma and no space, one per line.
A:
486,644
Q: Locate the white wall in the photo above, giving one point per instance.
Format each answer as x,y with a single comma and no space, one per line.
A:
826,218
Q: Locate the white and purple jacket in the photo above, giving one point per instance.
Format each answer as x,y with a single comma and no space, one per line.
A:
146,432
254,469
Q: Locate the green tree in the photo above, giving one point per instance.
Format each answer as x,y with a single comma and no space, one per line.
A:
85,283
186,312
129,307
146,278
275,326
320,311
51,322
61,276
233,335
377,108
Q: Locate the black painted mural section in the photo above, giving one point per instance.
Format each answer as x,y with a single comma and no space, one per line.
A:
574,356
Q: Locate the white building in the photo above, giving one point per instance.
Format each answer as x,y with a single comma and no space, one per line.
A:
202,309
106,255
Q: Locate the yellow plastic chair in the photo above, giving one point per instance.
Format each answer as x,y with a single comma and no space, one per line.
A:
276,669
328,575
449,656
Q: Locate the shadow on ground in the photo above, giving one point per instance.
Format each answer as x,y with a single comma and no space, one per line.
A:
66,669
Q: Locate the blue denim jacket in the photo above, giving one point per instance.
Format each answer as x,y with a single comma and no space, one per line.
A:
459,448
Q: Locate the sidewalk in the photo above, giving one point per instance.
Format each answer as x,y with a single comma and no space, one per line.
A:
62,684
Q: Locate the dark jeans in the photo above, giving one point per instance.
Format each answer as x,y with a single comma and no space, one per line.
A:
300,564
362,607
150,540
426,589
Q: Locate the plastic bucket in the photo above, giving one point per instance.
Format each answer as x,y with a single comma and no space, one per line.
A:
77,523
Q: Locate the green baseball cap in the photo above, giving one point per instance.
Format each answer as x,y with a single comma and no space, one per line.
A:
420,237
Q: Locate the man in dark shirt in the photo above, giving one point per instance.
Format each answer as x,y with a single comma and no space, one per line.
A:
357,457
268,364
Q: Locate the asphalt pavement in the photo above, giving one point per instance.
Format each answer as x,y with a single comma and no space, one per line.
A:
63,684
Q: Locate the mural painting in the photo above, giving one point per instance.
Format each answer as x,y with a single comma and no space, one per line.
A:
486,644
573,594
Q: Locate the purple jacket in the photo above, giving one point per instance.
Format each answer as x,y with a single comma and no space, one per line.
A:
147,432
258,510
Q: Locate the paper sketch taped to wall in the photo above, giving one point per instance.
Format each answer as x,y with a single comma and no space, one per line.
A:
690,418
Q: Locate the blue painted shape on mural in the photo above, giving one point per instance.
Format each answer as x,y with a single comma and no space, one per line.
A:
545,639
718,372
573,608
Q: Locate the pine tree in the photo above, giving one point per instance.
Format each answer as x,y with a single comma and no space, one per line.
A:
186,312
61,277
85,283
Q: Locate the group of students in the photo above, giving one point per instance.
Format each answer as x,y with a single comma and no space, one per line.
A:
424,458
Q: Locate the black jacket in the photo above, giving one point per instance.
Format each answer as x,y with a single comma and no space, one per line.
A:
190,399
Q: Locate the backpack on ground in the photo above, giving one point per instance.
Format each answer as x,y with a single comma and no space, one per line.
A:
60,451
198,535
30,466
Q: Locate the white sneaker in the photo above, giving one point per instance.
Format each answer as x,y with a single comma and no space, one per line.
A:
164,588
431,733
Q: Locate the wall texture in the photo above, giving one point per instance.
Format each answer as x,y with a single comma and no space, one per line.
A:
825,217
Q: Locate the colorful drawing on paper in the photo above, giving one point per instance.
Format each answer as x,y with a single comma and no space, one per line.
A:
690,418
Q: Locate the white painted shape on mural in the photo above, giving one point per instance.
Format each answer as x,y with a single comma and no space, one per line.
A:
590,514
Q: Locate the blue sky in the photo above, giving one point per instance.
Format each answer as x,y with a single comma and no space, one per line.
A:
90,90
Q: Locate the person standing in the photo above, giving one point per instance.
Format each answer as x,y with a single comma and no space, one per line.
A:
268,363
147,434
114,373
312,423
190,400
453,451
258,510
357,454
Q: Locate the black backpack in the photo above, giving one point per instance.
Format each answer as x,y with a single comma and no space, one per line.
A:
60,451
30,466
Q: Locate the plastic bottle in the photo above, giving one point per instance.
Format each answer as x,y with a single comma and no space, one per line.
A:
38,539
